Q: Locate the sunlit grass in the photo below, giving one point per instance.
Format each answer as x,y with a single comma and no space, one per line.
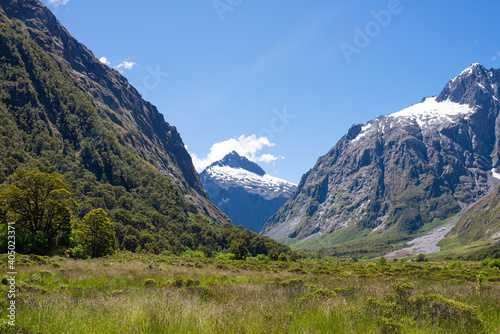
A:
186,295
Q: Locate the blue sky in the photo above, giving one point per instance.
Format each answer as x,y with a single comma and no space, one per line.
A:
282,81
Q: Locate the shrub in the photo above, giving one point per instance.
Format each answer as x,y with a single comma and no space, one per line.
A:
452,264
494,263
150,283
389,326
79,253
481,286
319,293
294,282
485,262
44,274
403,292
191,253
35,279
438,307
262,257
178,281
421,258
297,270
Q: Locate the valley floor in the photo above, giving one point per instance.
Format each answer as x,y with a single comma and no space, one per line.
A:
130,293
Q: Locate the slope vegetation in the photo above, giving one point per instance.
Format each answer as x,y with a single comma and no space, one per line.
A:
63,111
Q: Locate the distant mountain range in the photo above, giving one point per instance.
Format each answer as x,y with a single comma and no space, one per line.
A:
243,190
402,173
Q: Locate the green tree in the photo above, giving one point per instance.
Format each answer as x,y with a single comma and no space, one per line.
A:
97,234
130,242
39,203
421,258
239,248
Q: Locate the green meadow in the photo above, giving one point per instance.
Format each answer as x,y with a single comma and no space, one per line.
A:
143,293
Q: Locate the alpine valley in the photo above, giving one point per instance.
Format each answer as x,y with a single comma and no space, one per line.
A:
404,174
243,190
385,182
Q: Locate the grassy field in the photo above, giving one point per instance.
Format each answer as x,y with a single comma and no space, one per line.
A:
130,293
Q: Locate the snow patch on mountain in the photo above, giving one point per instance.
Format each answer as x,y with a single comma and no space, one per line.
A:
430,112
266,186
427,113
363,132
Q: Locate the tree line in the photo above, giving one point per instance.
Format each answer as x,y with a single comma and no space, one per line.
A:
40,204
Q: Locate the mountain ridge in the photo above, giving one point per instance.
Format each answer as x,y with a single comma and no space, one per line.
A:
243,190
234,160
400,171
143,126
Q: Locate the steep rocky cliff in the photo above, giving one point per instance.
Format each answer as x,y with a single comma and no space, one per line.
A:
401,171
481,221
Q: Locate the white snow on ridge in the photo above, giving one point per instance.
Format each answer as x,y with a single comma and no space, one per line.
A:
495,174
431,112
363,132
266,186
426,113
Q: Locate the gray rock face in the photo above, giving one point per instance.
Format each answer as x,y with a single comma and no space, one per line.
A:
243,191
405,169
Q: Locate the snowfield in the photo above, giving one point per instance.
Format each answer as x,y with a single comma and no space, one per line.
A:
266,186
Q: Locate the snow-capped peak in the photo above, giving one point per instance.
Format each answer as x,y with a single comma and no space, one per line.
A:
468,71
266,186
235,171
235,160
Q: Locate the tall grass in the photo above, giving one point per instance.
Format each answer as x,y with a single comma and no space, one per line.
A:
187,296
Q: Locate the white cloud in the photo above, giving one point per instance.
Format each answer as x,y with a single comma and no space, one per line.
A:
126,65
248,146
496,56
57,3
104,60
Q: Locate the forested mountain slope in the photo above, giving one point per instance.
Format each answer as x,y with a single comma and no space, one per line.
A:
61,110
